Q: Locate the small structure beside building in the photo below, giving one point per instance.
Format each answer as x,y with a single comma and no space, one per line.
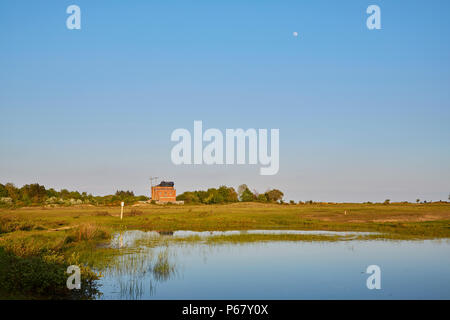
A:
164,192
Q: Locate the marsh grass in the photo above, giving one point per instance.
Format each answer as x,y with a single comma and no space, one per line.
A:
100,213
163,269
12,224
247,238
134,212
135,268
87,232
33,263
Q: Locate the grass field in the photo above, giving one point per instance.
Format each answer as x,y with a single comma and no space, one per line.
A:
421,220
38,243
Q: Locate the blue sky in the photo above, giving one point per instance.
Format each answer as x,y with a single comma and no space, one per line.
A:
363,115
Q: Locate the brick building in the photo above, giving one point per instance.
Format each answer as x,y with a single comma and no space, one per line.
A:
164,192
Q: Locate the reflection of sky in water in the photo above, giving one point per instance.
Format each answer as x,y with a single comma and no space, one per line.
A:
279,270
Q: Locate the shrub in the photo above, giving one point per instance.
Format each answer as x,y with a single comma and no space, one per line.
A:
274,195
102,213
262,197
135,212
90,231
11,225
44,276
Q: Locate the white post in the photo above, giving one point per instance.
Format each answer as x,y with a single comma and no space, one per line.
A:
121,209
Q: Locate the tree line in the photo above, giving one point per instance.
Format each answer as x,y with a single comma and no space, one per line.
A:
36,194
225,194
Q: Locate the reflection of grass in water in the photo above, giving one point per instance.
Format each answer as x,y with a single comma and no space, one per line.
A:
247,238
95,257
243,238
136,263
163,270
131,289
132,269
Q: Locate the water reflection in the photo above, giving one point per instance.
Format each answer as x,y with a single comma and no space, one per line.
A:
137,270
154,265
129,239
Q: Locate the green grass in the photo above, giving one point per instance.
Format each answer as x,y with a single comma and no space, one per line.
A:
238,216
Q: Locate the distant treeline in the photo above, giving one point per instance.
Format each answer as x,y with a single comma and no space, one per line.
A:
226,194
35,194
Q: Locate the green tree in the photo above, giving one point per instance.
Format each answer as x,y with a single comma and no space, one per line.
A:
202,195
188,197
241,190
75,195
262,197
274,195
3,191
65,194
121,193
247,196
13,192
34,193
213,196
223,194
228,194
52,193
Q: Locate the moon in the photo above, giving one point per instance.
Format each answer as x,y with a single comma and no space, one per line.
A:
295,34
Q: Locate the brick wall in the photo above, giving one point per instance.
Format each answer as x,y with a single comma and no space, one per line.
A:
164,194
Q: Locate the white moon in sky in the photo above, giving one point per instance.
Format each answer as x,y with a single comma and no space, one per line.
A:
295,34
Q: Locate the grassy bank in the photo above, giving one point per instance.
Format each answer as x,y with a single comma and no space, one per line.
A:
37,244
33,262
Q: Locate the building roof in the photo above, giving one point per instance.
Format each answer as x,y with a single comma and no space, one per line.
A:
166,184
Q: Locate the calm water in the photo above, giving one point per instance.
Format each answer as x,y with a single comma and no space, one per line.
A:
151,268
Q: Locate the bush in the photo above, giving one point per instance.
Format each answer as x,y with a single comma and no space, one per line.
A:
43,276
35,194
102,213
247,196
223,194
261,197
11,225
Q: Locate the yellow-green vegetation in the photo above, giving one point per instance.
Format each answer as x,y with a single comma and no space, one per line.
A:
421,221
38,243
34,260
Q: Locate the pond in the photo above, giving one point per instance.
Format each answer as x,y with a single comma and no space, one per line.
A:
194,265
